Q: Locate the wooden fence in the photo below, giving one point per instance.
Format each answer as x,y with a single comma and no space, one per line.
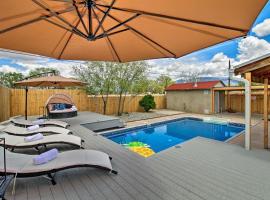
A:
237,102
12,102
4,103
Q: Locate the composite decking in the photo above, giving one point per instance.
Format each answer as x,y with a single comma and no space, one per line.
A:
199,169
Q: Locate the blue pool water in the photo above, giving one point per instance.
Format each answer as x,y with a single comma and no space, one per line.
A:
165,135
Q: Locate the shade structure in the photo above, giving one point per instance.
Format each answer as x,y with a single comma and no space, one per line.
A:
60,98
50,81
47,81
122,30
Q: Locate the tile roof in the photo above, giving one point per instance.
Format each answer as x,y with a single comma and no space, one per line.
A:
192,86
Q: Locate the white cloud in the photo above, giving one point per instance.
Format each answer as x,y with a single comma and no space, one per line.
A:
262,29
248,48
7,68
252,47
28,62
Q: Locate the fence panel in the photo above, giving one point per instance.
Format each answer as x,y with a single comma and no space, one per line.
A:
4,103
237,102
38,97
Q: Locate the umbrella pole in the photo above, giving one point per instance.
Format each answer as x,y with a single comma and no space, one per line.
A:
26,93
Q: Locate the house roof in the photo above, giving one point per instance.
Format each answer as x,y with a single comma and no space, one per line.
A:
193,86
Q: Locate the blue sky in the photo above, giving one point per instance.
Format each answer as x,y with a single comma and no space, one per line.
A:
208,62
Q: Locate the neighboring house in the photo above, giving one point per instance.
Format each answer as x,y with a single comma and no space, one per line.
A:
195,97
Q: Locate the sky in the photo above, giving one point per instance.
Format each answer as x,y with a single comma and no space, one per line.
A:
212,61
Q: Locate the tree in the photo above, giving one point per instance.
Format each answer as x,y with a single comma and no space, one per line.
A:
40,70
128,74
147,102
8,79
190,76
164,81
100,79
140,86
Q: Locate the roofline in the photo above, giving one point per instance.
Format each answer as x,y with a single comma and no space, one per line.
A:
252,61
218,81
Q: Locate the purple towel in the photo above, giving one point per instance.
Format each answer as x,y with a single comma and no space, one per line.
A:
32,138
45,157
32,128
38,122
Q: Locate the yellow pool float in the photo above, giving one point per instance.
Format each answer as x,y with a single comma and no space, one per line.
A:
143,151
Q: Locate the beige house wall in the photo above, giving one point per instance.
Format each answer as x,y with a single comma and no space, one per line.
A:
193,101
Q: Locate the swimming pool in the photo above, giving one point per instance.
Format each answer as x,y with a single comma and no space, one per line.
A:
163,135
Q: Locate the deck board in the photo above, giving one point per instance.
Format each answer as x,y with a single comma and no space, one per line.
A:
201,169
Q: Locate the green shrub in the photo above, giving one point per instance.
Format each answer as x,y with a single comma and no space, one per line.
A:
147,102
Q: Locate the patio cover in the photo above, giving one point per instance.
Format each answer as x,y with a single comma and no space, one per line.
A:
122,30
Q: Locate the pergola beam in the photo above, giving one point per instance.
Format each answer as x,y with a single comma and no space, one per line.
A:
265,113
248,77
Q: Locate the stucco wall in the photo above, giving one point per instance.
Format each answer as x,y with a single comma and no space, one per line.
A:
194,101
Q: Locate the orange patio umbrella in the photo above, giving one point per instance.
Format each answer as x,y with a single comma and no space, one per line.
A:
47,81
50,81
122,30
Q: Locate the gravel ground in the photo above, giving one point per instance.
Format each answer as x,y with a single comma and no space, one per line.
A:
135,116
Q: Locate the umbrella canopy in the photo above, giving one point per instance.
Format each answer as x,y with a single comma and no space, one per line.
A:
122,30
50,81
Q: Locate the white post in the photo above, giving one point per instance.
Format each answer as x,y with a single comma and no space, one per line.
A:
247,109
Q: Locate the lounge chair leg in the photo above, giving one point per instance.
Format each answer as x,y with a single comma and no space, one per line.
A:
52,179
37,149
114,172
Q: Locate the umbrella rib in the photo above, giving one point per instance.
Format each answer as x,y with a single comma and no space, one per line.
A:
110,42
176,18
57,16
118,25
90,24
60,26
79,15
112,33
70,36
34,20
104,17
190,28
141,34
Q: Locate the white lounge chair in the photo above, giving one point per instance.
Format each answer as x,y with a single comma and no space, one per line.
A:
16,142
21,131
27,123
22,165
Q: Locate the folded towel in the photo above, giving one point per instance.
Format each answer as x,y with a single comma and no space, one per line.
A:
73,108
32,138
45,157
38,122
32,128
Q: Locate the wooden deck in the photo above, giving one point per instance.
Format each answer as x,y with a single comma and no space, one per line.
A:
200,169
